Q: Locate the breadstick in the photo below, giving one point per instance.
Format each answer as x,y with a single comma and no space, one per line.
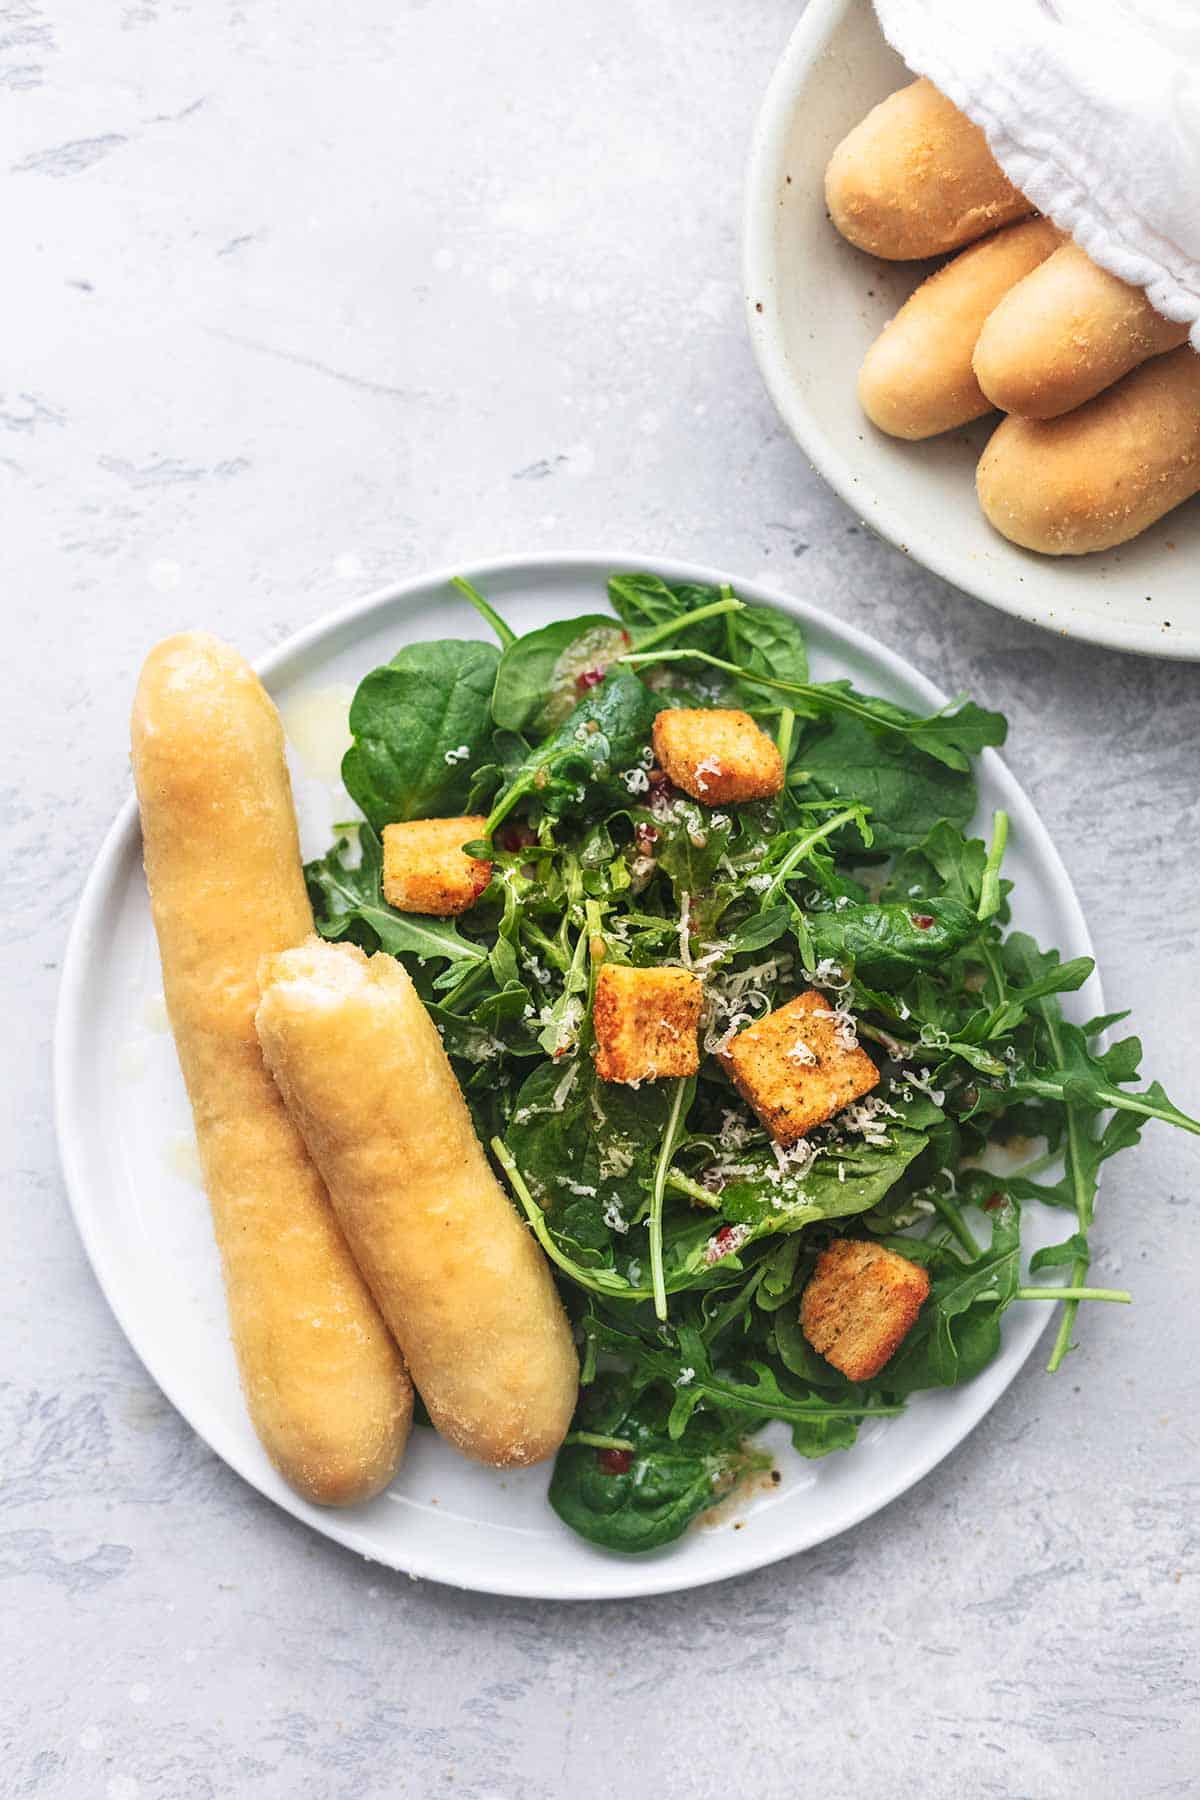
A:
324,1383
1099,475
916,178
458,1277
1065,333
917,379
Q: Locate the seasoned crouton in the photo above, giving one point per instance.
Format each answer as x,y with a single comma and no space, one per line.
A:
796,1067
646,1022
424,869
860,1305
717,755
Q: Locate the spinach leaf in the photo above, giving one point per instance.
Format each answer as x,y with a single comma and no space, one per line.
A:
581,768
536,680
907,793
421,723
646,603
887,945
642,1498
767,642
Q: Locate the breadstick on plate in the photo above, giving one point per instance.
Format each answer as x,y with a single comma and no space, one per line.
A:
1100,474
461,1282
324,1383
1063,334
916,178
916,378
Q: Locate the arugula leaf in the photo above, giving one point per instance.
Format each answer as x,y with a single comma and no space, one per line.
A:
958,1331
420,724
347,901
767,642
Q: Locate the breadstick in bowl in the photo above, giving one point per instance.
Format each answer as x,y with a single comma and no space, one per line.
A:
916,178
1063,334
917,379
461,1282
1098,476
324,1383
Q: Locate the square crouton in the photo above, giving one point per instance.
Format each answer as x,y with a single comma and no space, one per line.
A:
795,1067
860,1305
646,1022
716,755
425,870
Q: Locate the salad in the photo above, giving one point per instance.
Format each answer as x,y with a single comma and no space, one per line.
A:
698,1237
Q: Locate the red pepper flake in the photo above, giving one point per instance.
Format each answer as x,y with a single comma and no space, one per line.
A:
722,1241
615,1462
646,837
922,921
993,1203
590,678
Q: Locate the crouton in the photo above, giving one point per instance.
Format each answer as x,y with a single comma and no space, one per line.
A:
795,1067
646,1022
425,870
860,1305
717,755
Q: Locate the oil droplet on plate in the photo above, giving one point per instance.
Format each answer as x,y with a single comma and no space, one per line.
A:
154,1013
183,1158
317,726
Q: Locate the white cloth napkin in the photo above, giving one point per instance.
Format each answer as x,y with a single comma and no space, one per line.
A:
1092,108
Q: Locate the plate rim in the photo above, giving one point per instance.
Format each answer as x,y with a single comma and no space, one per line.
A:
638,1578
760,203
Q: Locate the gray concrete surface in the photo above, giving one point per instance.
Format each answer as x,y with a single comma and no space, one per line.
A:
301,297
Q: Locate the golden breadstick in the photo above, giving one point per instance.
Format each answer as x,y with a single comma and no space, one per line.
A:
1065,333
916,378
324,1383
1099,475
457,1274
916,178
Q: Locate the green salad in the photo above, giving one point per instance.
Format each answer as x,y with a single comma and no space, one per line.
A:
682,1233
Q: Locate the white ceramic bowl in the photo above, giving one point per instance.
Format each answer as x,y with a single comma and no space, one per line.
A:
815,304
124,1130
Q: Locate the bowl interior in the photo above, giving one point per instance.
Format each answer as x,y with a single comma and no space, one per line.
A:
816,304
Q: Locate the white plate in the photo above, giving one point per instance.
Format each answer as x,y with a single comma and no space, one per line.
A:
124,1129
814,305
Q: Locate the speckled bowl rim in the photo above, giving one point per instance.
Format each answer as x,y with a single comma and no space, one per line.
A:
914,534
602,1575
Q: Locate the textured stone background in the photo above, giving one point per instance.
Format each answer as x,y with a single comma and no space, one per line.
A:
304,296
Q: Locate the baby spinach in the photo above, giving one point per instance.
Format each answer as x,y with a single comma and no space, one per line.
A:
421,724
536,680
887,945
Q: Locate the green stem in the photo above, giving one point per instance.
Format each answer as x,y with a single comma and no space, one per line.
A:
683,1184
598,1441
783,736
1083,1199
672,627
504,632
952,1213
504,806
599,1281
799,851
657,1198
989,893
1074,1294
